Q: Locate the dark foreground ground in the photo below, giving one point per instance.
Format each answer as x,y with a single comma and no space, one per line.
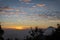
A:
15,34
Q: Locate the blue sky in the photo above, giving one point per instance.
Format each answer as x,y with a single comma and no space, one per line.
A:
29,12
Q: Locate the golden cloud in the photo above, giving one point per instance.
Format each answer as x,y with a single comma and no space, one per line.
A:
40,5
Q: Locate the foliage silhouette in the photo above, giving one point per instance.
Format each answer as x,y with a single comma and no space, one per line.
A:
56,35
37,34
1,33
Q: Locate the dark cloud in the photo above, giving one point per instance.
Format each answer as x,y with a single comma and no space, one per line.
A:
42,15
55,14
52,15
3,8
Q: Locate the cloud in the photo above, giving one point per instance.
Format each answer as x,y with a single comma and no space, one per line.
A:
24,12
42,15
25,1
33,6
5,8
54,20
40,5
48,17
10,11
53,13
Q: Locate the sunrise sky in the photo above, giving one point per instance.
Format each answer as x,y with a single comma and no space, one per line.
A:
22,14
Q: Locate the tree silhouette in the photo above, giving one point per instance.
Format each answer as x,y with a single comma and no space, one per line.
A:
1,33
35,34
38,34
58,27
57,33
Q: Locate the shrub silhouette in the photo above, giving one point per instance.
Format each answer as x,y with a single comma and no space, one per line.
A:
35,34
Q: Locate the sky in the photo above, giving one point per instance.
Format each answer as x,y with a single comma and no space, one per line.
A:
21,14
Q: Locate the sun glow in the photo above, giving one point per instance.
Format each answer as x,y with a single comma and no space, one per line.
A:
15,27
18,28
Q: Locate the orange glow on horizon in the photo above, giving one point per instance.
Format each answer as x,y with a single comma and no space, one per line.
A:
18,28
15,27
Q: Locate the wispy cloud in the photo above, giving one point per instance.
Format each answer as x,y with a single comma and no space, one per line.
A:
33,6
10,11
47,17
25,1
54,20
40,5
